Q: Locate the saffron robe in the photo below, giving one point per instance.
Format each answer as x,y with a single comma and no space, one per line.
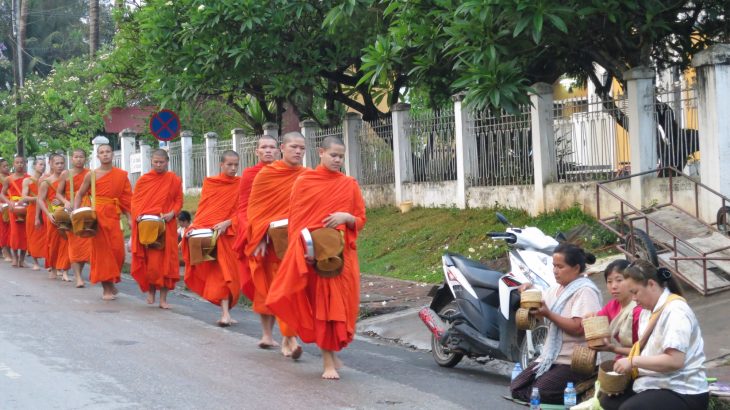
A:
18,238
244,192
320,310
79,249
57,244
269,202
216,280
4,225
35,236
113,195
156,194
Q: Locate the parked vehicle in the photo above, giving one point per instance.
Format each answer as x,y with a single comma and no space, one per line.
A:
473,312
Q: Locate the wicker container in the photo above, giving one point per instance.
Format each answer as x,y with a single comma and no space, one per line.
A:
531,299
611,382
406,206
583,360
525,319
596,328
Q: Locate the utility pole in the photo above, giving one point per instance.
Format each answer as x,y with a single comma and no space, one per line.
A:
20,146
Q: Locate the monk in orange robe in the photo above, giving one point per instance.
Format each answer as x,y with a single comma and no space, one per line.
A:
5,218
269,202
113,197
217,281
159,193
266,152
35,229
321,309
79,249
12,194
56,241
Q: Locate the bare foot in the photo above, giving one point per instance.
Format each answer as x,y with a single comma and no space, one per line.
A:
223,323
6,259
108,297
36,267
164,305
151,298
267,343
80,284
14,263
113,288
286,350
64,277
331,374
51,275
338,363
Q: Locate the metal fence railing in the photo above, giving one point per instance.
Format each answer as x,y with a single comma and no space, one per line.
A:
197,161
503,154
174,151
246,150
677,139
117,160
222,147
591,138
313,143
376,152
433,146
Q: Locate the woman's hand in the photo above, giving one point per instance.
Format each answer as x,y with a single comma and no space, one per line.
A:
589,315
543,311
607,346
523,287
622,365
338,218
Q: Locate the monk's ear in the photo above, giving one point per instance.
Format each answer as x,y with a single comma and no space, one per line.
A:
321,151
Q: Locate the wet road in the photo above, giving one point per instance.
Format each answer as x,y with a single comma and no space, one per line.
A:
65,348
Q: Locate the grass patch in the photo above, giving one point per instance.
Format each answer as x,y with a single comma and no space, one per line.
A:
717,403
190,203
409,246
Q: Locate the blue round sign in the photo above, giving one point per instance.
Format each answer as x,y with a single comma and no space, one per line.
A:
165,125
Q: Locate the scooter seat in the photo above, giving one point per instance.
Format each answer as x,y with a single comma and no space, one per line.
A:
476,273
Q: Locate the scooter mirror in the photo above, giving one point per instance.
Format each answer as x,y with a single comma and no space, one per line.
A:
503,219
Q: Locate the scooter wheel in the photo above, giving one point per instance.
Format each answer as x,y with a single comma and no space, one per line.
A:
442,356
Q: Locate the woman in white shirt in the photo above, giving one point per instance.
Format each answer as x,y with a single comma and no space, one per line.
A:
670,366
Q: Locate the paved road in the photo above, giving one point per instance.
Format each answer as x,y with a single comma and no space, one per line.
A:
65,348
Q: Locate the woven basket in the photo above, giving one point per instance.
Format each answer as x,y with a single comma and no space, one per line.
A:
611,383
596,327
525,319
583,360
531,299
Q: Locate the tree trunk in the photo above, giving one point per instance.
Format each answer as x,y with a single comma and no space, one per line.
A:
93,27
22,34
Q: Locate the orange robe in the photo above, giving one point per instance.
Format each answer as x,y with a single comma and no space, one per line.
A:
79,249
113,195
4,225
36,236
216,280
320,310
156,194
244,192
269,202
18,238
57,244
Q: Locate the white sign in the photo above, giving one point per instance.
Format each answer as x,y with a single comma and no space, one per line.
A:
135,162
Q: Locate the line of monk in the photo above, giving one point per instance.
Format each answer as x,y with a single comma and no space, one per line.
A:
281,234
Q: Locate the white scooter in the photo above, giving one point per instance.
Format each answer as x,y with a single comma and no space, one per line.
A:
473,312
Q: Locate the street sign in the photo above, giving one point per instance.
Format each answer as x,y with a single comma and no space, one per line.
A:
165,125
135,162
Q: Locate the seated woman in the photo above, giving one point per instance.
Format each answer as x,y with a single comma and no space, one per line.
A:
670,370
622,311
564,306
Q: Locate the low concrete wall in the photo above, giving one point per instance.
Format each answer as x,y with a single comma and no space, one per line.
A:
513,196
377,196
431,194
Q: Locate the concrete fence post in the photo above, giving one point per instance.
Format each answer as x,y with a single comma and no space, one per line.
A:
237,137
127,139
97,141
145,151
713,100
309,129
543,143
351,137
402,166
212,161
271,129
466,149
186,156
642,129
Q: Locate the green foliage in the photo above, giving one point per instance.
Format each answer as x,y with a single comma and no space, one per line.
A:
409,246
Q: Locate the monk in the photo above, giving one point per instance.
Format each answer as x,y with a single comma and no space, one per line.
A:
269,202
113,197
218,280
266,152
159,193
56,241
35,230
79,249
12,194
321,309
5,219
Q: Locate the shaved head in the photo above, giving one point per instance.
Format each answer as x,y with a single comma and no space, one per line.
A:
266,138
328,142
291,136
160,153
229,153
78,151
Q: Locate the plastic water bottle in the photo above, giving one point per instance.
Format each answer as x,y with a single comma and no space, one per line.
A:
569,396
535,399
516,370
